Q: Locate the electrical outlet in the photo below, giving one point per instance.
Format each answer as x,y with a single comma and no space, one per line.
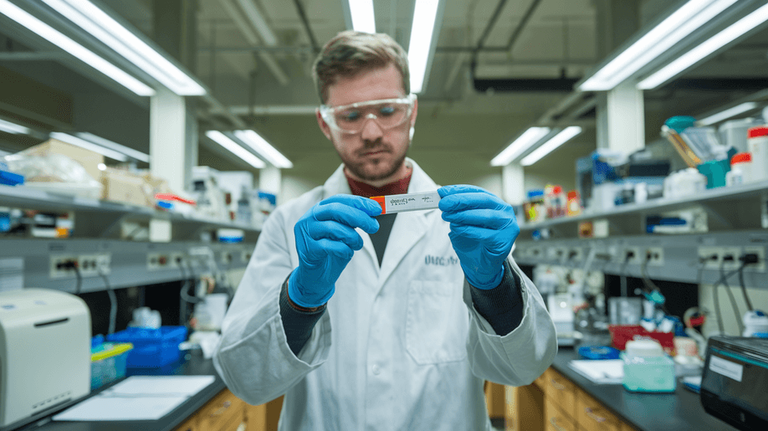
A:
654,256
575,254
61,266
175,260
711,256
632,256
245,256
729,258
760,252
157,261
92,265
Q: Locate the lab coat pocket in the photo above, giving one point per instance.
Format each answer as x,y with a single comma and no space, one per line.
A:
436,324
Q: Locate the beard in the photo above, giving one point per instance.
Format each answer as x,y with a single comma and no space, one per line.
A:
368,169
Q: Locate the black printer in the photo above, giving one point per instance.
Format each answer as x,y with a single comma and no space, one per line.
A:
734,384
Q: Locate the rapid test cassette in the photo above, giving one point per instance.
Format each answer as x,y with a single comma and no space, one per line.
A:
408,202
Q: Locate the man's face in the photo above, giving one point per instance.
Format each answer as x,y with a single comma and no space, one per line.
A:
374,154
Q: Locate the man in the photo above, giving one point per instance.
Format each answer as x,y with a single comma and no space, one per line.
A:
388,323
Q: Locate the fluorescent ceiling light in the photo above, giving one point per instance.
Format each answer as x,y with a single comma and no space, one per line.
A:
520,145
566,135
682,22
103,27
424,15
362,16
14,129
262,147
88,57
235,148
130,152
733,32
82,143
728,113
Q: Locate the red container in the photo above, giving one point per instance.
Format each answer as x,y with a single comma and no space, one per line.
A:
620,334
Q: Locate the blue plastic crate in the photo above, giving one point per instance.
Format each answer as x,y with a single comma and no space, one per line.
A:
151,347
10,178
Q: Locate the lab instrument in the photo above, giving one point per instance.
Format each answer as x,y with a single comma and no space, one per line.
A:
45,353
408,202
734,380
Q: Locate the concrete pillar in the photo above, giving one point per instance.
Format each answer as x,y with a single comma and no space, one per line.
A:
270,180
173,125
621,119
621,111
169,151
512,185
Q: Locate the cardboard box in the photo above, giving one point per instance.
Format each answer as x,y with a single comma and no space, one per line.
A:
125,187
87,158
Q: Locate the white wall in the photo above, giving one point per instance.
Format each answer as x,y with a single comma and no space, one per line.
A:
758,297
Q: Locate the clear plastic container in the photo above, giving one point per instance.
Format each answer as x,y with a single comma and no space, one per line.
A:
108,361
648,373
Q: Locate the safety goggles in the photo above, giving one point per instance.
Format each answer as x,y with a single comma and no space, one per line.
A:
387,113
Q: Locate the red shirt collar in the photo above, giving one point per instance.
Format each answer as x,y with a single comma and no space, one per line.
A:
366,190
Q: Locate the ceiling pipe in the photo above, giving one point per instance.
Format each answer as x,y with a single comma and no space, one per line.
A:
305,21
518,85
250,36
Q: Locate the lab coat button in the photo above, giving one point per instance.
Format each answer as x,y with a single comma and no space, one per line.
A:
376,370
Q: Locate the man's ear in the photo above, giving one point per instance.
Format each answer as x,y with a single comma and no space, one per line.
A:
323,125
415,111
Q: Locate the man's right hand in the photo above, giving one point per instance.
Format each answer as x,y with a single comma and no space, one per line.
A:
326,241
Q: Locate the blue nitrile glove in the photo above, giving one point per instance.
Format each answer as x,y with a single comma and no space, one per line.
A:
483,229
326,241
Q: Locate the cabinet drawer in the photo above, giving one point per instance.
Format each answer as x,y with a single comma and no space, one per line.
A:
224,412
189,425
555,419
561,391
541,381
591,415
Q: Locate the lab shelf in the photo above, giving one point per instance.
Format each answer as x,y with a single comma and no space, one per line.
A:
728,208
131,263
678,260
101,219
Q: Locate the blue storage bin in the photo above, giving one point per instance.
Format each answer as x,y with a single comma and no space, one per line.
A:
152,347
10,179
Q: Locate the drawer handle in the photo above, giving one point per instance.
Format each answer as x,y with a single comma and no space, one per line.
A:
553,421
556,385
222,409
594,416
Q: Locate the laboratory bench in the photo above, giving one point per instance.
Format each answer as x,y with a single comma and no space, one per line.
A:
564,400
214,408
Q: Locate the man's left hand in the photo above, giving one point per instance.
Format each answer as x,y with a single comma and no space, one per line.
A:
483,229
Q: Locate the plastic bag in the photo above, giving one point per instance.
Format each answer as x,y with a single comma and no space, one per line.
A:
54,172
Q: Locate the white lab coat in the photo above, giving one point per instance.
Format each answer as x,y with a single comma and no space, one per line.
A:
399,348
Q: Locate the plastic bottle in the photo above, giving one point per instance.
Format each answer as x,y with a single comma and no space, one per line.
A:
574,203
684,183
554,200
741,169
534,207
757,144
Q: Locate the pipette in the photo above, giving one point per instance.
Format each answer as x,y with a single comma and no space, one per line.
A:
408,202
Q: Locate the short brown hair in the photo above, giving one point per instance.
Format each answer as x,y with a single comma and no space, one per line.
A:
352,52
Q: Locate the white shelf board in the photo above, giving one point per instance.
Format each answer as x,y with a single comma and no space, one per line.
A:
740,191
30,198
